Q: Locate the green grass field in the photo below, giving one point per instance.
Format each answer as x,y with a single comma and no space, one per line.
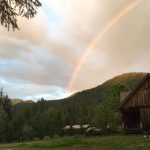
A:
116,142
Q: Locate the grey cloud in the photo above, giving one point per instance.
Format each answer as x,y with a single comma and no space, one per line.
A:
38,68
45,52
30,91
126,45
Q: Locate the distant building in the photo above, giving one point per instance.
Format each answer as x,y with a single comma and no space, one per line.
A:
81,130
135,108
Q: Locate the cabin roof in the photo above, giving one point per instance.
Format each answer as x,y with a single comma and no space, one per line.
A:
85,126
76,126
67,127
123,95
134,91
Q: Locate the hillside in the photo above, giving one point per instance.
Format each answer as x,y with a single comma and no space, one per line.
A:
16,101
82,105
113,142
93,106
96,94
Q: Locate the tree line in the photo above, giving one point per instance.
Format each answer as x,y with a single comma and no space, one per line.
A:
97,107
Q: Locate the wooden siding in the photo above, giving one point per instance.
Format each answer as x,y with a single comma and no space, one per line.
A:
145,118
141,97
136,108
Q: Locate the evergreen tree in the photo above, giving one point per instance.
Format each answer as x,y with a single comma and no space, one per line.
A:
28,132
107,116
11,9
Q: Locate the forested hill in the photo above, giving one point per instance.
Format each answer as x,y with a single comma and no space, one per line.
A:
97,106
96,94
101,92
82,105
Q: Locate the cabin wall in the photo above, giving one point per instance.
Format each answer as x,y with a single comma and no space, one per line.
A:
139,101
145,118
141,97
131,122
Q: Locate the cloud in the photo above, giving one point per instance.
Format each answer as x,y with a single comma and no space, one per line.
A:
125,46
30,91
45,51
38,67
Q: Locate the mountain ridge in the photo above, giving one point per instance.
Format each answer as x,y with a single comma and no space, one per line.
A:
131,80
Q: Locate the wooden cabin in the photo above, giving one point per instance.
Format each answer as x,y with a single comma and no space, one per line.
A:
135,108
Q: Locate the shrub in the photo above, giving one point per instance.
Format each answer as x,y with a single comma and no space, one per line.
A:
46,138
36,139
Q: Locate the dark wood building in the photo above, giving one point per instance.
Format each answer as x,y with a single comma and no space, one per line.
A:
135,108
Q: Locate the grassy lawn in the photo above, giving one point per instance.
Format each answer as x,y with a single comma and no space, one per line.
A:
116,142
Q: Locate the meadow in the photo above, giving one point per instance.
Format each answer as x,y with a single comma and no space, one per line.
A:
114,142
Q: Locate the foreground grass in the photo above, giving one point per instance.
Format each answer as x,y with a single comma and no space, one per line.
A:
116,142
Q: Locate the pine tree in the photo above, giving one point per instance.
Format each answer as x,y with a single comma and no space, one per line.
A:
11,9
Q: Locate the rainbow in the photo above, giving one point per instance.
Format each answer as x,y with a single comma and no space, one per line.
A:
113,21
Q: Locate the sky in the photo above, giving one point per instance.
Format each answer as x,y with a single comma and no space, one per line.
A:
39,60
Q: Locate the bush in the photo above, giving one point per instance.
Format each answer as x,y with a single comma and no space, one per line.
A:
46,138
36,139
56,136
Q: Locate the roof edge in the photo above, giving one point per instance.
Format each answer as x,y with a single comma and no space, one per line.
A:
140,84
